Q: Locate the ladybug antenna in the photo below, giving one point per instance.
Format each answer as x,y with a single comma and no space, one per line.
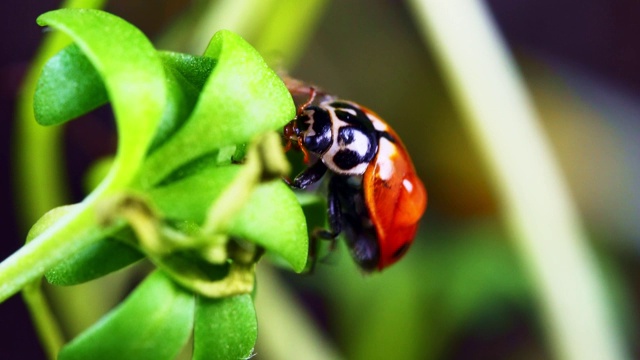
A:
312,96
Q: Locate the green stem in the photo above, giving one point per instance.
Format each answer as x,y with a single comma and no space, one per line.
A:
76,230
537,205
71,233
291,23
43,319
193,31
279,29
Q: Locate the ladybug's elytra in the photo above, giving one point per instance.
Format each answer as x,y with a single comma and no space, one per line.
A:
374,195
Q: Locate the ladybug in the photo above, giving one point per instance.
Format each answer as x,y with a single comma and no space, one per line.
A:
374,194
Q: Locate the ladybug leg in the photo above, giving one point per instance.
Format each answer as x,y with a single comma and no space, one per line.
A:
335,223
334,210
309,176
335,217
287,147
315,238
304,151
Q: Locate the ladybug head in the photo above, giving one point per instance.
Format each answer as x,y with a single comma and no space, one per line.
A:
314,126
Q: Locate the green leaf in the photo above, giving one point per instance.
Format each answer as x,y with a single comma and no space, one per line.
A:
49,219
253,95
225,328
194,69
133,76
272,217
69,86
189,198
241,99
154,322
314,208
185,76
92,262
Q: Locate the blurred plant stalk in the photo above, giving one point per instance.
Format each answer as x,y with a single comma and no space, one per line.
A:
278,29
536,203
280,313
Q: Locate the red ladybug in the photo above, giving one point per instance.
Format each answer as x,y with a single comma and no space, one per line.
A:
375,196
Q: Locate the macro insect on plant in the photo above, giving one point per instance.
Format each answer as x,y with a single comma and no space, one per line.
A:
374,194
196,189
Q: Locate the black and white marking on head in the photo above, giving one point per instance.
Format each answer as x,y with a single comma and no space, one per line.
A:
315,126
342,134
355,140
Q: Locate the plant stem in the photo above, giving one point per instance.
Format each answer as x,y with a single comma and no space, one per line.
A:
43,319
291,23
278,29
71,233
193,31
536,203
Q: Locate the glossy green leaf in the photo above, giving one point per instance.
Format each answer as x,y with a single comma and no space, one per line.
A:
69,86
185,76
241,98
195,69
153,323
189,198
314,208
133,76
225,328
203,163
271,218
92,262
251,94
49,219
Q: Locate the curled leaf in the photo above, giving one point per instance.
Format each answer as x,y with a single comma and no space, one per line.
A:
133,76
241,98
69,86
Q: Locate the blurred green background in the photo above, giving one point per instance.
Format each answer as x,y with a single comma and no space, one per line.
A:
462,291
